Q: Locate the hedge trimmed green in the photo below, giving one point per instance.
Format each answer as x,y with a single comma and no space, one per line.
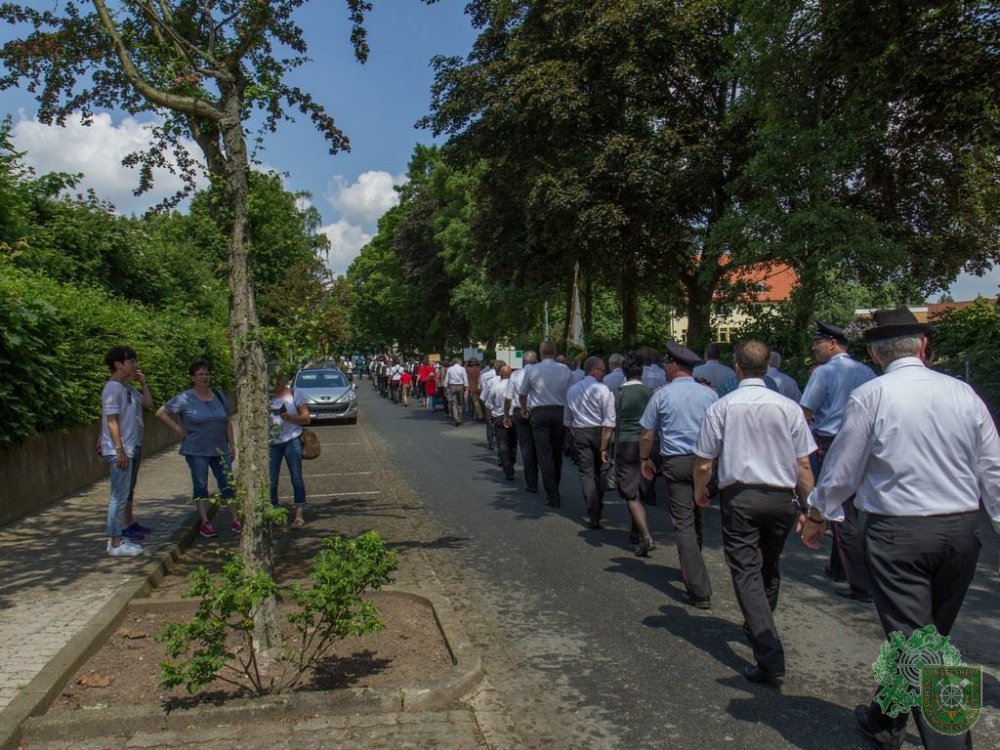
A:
53,338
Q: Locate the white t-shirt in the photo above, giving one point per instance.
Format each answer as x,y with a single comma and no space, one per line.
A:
281,429
126,402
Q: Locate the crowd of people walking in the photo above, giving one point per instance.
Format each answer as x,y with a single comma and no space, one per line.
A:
893,468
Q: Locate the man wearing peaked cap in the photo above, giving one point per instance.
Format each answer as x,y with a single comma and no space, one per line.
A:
677,353
675,413
823,403
920,450
832,332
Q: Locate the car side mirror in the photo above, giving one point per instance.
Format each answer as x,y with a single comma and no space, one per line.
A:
354,386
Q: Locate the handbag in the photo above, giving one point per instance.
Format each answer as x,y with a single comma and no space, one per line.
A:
609,472
311,446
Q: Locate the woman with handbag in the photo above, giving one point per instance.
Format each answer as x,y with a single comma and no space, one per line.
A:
289,414
631,399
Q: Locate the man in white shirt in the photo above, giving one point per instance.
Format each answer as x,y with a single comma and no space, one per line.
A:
590,415
763,445
542,394
920,450
787,386
713,371
456,386
395,374
485,377
521,424
494,398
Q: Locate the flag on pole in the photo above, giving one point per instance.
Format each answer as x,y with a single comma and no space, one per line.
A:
577,346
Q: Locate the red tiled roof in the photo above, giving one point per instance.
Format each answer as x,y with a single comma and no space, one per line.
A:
777,280
933,310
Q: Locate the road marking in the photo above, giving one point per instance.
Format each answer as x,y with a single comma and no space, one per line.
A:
341,474
333,494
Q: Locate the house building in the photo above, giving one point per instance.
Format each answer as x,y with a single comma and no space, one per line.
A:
773,286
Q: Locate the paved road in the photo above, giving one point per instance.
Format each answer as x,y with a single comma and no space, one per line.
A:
590,647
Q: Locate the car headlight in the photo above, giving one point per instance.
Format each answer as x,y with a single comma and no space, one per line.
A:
349,396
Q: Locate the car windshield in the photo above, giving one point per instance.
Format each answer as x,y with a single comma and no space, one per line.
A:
320,379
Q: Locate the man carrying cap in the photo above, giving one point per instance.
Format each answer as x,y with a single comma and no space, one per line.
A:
919,450
763,445
675,413
542,394
823,402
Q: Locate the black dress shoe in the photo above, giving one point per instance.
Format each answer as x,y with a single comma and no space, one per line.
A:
835,577
594,523
552,503
858,596
700,602
645,548
757,675
532,490
884,739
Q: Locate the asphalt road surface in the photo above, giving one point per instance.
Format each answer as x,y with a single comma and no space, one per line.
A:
591,647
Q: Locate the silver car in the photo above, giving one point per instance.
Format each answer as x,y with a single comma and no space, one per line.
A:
328,394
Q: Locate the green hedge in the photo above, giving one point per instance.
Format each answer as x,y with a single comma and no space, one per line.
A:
53,338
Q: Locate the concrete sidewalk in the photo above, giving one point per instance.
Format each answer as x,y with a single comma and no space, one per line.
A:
57,584
55,573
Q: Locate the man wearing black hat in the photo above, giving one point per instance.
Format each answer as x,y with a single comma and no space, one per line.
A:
823,402
675,413
920,450
762,444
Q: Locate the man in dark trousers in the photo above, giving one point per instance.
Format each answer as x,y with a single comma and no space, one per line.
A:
823,403
514,418
590,415
675,413
920,450
543,396
763,445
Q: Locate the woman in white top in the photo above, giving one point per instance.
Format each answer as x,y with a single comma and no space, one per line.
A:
289,414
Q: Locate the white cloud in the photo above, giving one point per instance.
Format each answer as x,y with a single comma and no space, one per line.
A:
360,204
96,151
364,201
346,241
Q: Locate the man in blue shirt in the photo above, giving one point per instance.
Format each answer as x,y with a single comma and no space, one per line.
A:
823,402
675,413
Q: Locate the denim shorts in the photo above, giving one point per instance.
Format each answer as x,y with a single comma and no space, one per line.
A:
221,466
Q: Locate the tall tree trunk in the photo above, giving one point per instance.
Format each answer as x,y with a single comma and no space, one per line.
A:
630,312
251,386
699,311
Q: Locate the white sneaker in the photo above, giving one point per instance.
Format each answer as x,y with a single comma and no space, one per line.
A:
125,549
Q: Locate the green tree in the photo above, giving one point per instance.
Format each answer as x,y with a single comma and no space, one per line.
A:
876,140
203,67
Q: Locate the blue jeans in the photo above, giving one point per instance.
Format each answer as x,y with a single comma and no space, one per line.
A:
222,468
291,451
122,485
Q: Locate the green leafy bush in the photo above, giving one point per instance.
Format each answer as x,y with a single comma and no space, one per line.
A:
328,609
53,338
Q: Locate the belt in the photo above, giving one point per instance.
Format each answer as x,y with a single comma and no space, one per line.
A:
732,489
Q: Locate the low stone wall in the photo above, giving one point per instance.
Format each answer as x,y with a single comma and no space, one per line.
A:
47,467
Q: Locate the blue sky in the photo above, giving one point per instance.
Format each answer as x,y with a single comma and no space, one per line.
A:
376,104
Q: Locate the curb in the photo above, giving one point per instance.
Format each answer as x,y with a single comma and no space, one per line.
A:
428,696
39,694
